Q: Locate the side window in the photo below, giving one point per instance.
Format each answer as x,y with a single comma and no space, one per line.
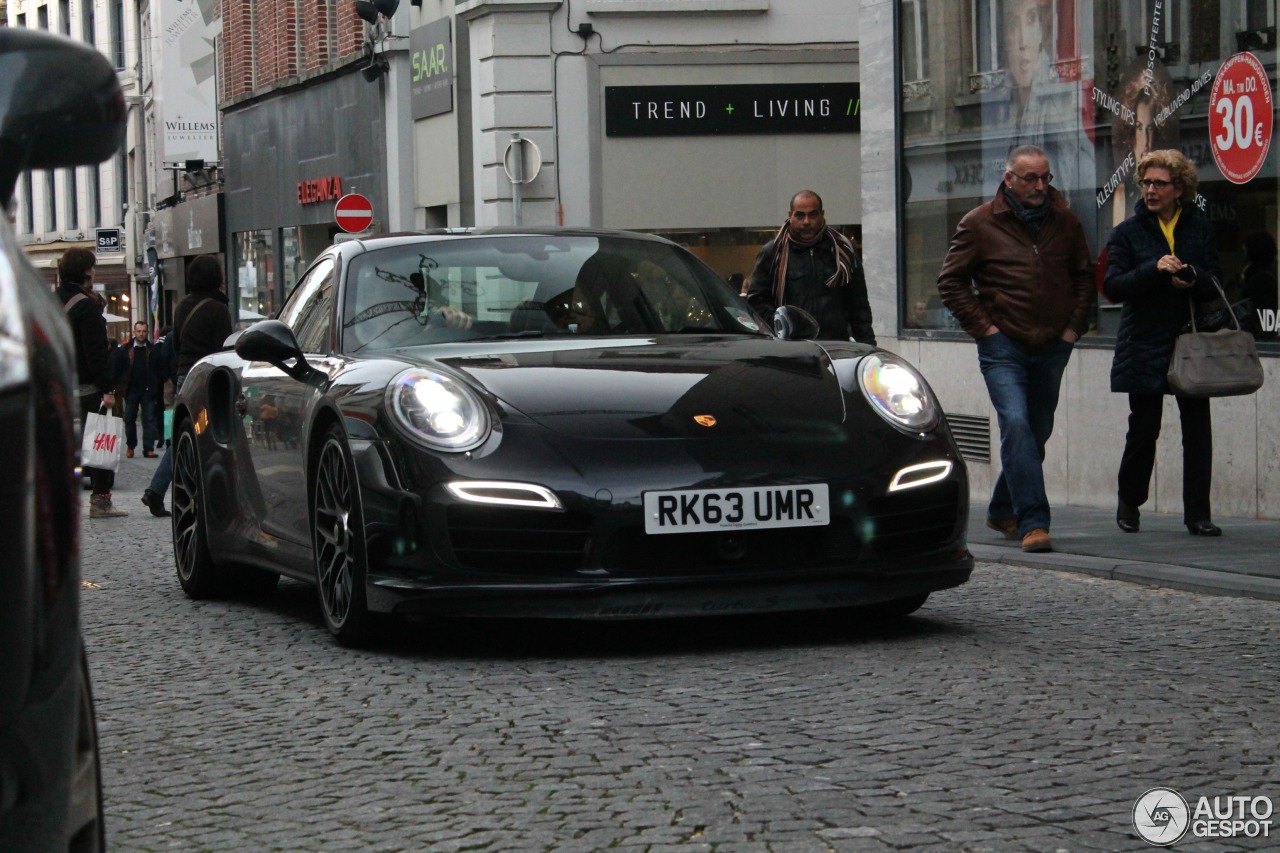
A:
309,310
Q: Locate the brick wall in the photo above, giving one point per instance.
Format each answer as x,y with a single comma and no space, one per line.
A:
269,42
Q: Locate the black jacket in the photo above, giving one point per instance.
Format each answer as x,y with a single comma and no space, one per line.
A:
1154,310
841,312
130,378
201,324
90,330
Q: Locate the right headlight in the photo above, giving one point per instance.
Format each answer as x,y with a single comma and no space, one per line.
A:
897,392
438,410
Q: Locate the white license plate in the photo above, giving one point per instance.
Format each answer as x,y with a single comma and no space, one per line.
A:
750,508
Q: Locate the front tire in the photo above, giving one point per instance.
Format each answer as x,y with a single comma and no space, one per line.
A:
197,572
338,538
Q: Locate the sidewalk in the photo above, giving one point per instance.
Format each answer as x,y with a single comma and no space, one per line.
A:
1244,561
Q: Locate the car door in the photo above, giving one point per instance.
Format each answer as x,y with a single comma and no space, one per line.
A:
276,406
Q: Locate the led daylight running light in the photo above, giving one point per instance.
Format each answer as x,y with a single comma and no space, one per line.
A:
920,475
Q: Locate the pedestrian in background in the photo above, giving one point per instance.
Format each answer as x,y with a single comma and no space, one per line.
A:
814,267
163,361
739,282
1019,278
89,328
1157,259
201,323
135,380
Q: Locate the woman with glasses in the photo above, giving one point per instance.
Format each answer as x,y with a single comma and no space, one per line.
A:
1156,259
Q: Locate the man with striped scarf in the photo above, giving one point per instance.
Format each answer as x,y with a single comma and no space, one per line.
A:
816,268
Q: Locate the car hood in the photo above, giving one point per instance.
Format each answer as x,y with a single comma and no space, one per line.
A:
696,387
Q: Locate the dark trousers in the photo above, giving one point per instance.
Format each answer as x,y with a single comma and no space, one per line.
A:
1139,458
102,479
146,400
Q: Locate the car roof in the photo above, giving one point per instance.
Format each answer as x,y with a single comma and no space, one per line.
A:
360,245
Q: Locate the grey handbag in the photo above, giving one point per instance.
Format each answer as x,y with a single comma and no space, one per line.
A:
1214,364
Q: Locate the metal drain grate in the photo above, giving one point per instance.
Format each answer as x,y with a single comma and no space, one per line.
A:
973,436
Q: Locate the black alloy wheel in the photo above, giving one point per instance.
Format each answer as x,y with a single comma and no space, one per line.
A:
197,572
339,545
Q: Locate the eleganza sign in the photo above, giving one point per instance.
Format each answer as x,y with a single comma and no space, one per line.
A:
431,69
767,108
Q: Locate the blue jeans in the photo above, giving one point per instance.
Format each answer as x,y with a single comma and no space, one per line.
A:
163,476
148,401
1024,391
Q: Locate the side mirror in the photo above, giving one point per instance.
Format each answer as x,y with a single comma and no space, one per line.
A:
273,342
794,324
60,105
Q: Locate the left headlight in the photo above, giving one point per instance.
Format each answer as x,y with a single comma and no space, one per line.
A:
438,410
897,392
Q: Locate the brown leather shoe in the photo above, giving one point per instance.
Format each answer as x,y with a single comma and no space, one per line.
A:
1037,540
1006,527
129,453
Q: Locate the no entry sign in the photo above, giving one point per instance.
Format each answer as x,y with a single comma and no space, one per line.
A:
353,213
1240,117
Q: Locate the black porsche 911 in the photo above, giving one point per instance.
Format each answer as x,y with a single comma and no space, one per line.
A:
557,423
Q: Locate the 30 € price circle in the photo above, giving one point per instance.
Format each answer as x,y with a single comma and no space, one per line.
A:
1240,117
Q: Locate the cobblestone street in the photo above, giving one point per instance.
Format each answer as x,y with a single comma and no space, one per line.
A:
1025,710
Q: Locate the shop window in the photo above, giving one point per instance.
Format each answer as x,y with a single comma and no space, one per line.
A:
1080,80
255,262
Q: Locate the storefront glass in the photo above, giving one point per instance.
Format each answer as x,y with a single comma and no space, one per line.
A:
256,296
1096,84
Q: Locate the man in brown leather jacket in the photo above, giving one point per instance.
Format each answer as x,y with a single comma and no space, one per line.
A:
1019,278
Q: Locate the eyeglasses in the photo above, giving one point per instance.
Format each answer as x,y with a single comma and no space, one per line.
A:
1153,184
1033,178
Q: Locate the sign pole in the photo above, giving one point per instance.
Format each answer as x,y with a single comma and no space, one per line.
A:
517,177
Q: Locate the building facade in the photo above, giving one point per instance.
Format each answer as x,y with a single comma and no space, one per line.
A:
87,206
698,119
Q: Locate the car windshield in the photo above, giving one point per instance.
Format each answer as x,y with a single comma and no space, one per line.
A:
490,287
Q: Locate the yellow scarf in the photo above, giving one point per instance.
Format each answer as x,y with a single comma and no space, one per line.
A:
1167,228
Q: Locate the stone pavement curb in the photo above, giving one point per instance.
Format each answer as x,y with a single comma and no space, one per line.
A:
1164,575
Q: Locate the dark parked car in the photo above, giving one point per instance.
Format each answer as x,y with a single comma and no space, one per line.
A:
60,105
560,423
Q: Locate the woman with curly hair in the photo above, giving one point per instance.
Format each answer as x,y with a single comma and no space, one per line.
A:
1156,258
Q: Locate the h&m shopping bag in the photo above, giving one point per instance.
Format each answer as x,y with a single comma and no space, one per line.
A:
103,441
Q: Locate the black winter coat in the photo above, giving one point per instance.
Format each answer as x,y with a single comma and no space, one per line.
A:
201,323
841,312
1154,310
90,330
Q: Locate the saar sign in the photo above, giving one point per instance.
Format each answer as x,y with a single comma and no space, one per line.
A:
431,69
